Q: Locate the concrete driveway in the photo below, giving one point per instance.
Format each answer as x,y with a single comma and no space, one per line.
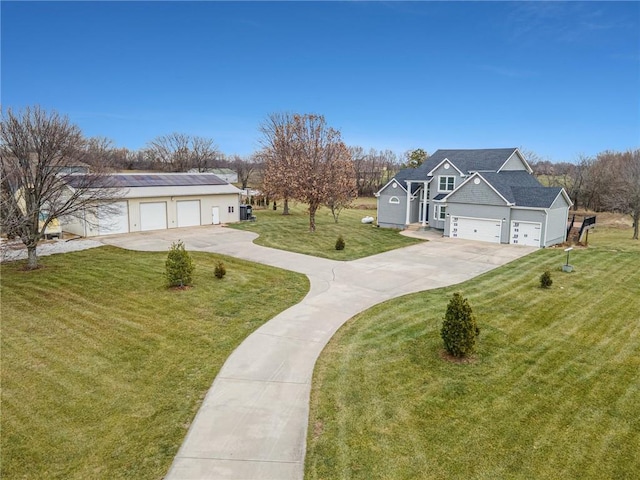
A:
253,421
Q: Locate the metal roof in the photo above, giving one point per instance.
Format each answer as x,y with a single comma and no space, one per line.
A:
127,180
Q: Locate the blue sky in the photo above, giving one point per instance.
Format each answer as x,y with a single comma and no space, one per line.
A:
559,79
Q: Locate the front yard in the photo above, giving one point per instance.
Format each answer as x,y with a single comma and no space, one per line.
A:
103,368
291,232
554,391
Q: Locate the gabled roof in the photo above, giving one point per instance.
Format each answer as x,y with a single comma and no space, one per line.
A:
467,161
401,177
519,188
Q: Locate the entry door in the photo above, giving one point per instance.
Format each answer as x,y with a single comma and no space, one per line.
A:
215,215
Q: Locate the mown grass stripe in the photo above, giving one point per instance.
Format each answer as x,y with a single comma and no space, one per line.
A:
103,368
553,392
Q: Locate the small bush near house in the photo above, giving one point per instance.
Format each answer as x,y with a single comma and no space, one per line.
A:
220,270
459,329
545,279
179,266
340,243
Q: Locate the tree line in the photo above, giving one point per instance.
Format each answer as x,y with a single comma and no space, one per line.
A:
609,181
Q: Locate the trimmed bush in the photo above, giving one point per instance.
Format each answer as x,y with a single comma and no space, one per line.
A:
459,329
545,279
220,270
340,243
179,266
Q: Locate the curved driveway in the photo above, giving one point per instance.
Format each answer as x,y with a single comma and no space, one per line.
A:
253,421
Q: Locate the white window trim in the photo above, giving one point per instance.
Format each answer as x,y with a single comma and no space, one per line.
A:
440,177
394,200
440,212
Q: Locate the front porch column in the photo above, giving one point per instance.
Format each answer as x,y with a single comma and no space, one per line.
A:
424,204
407,219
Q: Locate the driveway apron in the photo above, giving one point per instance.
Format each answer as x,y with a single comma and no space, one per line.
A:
253,421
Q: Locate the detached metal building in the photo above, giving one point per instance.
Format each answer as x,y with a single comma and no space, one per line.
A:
157,201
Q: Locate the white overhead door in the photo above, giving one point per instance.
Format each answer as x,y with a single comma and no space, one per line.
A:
188,213
113,218
482,229
526,233
153,216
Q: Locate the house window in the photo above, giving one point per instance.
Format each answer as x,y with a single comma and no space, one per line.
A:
440,212
394,200
231,209
446,184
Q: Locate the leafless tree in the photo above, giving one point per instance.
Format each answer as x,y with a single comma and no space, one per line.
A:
621,183
38,151
179,152
244,167
373,169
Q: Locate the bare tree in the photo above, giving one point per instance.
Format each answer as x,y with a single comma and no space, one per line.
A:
373,169
621,185
341,185
37,153
179,152
244,167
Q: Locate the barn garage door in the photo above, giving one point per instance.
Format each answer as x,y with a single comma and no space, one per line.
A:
485,230
188,213
526,233
153,216
113,218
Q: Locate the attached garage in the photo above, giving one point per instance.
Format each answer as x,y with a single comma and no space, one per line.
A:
113,218
526,233
188,213
153,216
482,229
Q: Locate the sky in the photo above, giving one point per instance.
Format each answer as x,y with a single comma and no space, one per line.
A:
559,79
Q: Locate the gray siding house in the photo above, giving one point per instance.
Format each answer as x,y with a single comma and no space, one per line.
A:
488,195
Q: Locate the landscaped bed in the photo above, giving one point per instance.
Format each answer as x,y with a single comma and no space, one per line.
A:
103,368
291,232
553,392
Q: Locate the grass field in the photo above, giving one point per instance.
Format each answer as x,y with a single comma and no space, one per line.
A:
291,232
103,368
554,391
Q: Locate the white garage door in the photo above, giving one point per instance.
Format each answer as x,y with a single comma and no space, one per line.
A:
485,230
188,213
526,233
153,216
113,218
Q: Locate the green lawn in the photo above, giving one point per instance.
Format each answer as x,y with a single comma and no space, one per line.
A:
554,391
291,232
103,368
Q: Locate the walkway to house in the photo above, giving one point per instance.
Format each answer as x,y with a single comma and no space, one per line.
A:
253,421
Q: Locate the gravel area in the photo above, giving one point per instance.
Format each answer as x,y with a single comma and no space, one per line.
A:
15,249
